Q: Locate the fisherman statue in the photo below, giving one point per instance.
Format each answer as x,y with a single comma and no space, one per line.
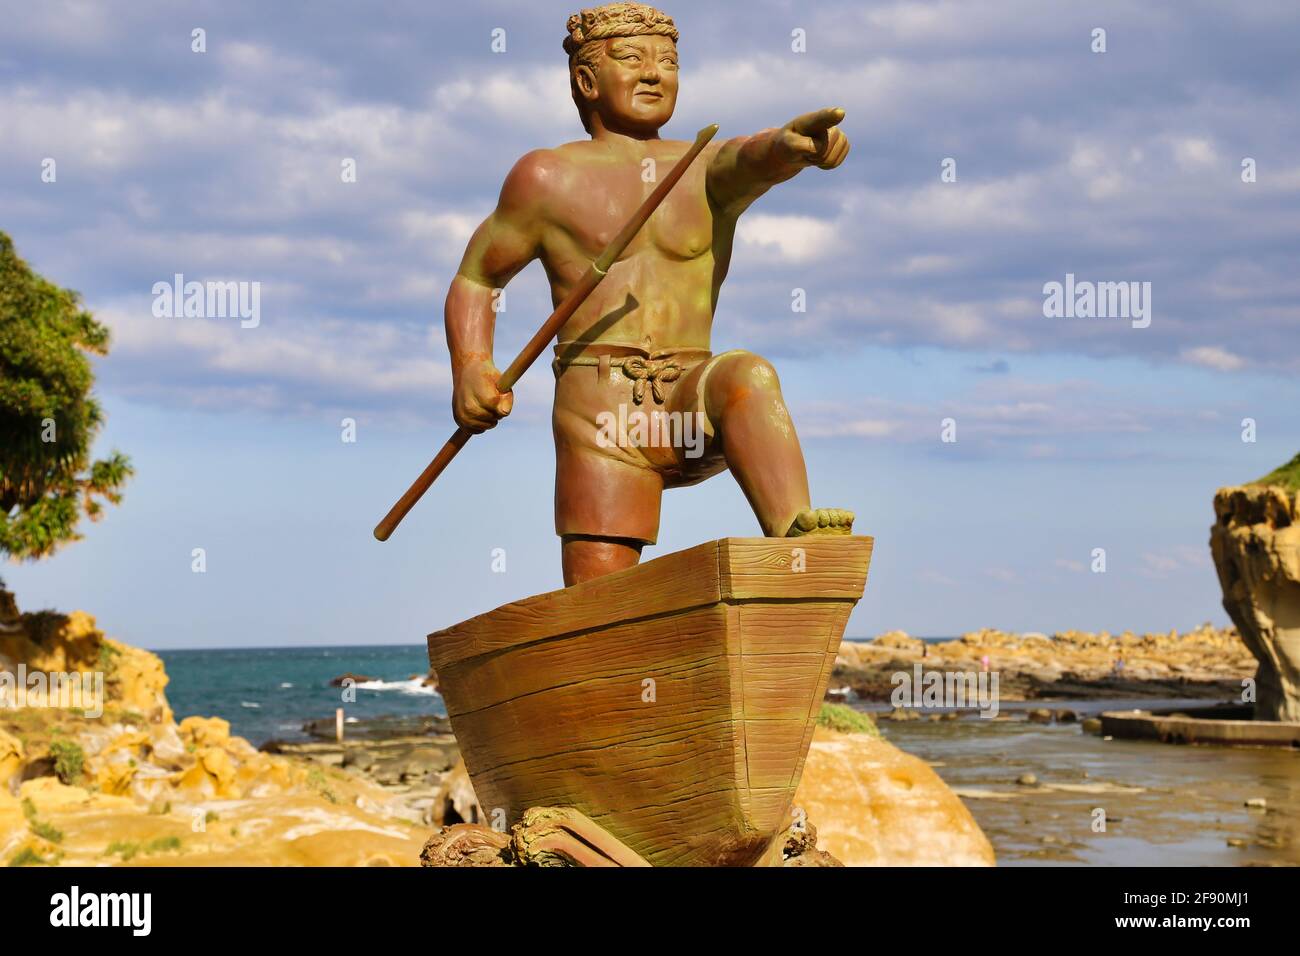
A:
641,340
661,717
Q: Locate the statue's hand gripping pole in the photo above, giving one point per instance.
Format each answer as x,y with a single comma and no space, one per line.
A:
550,328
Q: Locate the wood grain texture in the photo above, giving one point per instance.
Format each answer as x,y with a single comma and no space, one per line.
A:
678,581
548,696
764,567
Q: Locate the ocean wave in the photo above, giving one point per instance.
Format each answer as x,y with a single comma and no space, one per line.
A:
250,704
414,686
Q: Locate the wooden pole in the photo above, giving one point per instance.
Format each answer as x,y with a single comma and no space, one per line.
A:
550,328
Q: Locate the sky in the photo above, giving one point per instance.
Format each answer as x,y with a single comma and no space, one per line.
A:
995,149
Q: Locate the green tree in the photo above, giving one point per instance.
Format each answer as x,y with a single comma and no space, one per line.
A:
48,418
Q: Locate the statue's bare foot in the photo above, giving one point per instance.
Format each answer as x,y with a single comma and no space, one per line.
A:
821,521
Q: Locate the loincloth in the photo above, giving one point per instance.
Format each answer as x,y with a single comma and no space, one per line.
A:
627,422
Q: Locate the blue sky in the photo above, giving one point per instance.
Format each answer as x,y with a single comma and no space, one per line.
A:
924,297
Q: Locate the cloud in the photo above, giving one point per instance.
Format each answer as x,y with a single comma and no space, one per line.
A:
792,238
1174,559
1212,356
1114,167
288,366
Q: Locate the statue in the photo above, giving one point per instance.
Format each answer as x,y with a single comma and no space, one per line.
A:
641,341
655,713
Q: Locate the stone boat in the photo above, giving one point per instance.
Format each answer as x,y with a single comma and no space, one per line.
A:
672,703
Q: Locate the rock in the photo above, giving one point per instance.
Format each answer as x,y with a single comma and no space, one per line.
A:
1040,715
355,678
1092,725
901,713
1257,803
899,640
148,782
37,767
359,759
11,758
167,749
204,731
454,800
877,806
1065,716
49,793
133,679
1027,780
1255,543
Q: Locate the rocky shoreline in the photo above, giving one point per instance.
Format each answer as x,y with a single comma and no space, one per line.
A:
134,786
1206,662
415,759
117,780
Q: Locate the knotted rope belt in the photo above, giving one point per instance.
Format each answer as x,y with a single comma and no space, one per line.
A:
655,369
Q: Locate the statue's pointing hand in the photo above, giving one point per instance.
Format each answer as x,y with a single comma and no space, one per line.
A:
815,138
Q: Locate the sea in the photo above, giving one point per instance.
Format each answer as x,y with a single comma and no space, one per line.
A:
269,693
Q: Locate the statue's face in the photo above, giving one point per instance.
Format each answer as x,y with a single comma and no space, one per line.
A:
634,90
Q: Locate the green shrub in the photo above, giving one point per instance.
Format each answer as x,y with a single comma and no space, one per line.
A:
27,857
123,849
1287,476
46,831
846,720
69,761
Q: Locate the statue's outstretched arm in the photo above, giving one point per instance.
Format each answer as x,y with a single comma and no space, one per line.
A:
744,168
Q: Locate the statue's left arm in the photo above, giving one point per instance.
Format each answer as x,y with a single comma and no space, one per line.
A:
744,168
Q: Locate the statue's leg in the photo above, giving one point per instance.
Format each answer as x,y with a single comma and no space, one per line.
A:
585,556
607,495
741,396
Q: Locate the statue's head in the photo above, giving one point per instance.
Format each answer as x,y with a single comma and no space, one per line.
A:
623,66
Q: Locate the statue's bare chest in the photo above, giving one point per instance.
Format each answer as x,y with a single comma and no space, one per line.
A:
598,201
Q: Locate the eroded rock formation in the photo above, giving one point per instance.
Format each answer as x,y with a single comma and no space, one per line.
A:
130,784
1255,542
875,805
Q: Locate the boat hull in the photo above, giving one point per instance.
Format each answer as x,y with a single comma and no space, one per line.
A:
672,703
